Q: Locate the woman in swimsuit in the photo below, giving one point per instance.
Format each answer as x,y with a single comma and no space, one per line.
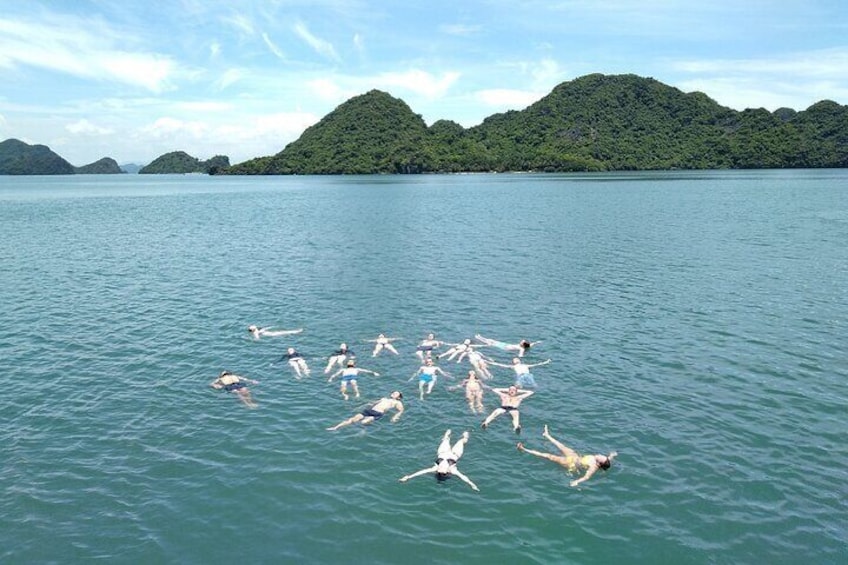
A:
480,364
349,375
234,383
446,459
523,377
296,362
340,356
268,332
383,342
521,347
473,391
460,349
572,460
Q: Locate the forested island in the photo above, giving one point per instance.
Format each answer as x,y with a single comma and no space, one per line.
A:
593,123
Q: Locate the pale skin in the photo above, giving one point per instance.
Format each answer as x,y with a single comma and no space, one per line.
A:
522,370
473,391
511,398
348,375
570,459
258,332
425,348
227,379
339,357
521,347
480,364
296,362
458,349
447,458
427,374
383,342
393,402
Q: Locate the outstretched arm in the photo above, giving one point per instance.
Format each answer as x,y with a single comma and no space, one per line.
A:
589,472
432,469
334,375
545,362
375,373
496,364
396,417
465,479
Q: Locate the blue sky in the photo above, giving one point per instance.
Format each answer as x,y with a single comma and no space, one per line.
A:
133,80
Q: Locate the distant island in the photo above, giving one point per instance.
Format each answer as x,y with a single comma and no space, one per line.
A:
593,123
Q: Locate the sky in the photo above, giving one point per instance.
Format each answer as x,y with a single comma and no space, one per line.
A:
132,80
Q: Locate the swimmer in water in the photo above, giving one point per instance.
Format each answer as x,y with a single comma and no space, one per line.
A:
268,332
479,363
233,383
377,411
473,391
349,375
296,362
446,459
510,400
426,347
383,342
523,377
459,349
521,347
571,460
339,356
427,374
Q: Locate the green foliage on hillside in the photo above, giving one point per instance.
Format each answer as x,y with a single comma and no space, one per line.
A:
180,162
105,166
593,123
19,158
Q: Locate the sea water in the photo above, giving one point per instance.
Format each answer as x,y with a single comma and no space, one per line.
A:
695,323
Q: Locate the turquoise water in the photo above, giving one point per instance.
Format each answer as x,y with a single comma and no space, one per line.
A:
696,324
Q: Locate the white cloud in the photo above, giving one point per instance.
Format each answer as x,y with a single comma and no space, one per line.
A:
230,76
169,127
240,23
417,81
85,127
321,46
272,46
86,51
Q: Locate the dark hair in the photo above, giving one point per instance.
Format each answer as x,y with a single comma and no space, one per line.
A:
606,464
442,476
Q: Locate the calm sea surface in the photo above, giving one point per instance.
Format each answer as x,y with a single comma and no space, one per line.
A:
696,323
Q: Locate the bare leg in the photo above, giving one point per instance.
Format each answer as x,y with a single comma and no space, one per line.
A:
349,421
495,413
355,388
567,451
516,425
543,455
296,367
459,446
344,390
244,396
421,389
391,348
431,385
304,367
478,398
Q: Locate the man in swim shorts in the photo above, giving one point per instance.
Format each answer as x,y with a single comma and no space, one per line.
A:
349,375
233,383
377,411
510,400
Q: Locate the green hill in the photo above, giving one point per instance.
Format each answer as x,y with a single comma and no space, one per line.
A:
105,166
180,162
19,158
593,123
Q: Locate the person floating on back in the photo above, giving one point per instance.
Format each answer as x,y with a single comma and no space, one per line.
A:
571,460
233,383
377,411
446,459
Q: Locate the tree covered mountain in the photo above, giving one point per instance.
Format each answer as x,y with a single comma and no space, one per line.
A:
19,158
105,166
593,123
180,162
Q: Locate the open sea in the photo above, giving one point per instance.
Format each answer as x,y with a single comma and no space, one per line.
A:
696,323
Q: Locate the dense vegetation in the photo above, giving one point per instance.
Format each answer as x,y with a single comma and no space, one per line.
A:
19,158
181,162
594,123
105,166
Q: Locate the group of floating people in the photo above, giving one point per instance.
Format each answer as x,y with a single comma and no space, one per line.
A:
342,364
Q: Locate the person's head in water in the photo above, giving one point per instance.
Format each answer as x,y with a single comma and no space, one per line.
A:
604,461
442,469
252,328
397,395
351,362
